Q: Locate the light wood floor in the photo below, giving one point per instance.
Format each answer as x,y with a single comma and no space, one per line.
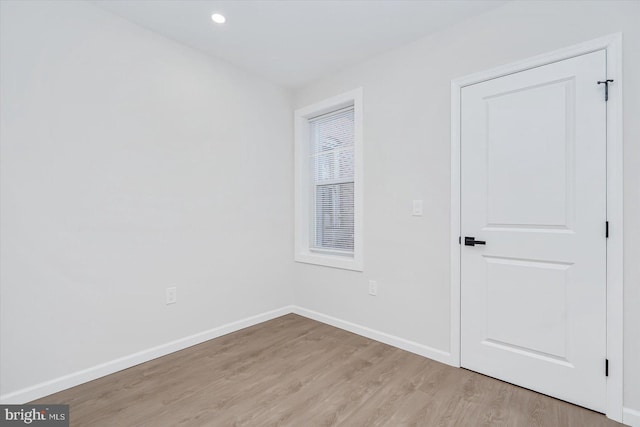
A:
297,372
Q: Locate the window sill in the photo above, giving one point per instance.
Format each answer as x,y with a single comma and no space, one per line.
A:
328,260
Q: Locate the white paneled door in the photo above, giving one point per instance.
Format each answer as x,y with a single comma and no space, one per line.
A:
533,198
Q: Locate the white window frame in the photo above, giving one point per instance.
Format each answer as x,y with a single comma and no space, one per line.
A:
303,203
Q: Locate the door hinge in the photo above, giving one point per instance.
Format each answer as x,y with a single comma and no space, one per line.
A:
606,232
606,88
459,240
606,367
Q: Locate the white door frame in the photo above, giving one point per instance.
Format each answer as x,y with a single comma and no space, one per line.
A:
613,46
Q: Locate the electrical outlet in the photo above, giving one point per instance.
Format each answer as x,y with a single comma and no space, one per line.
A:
373,288
171,295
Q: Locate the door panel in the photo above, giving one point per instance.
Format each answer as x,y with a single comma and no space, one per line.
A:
520,129
536,303
533,162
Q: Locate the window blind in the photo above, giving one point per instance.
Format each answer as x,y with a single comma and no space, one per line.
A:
332,169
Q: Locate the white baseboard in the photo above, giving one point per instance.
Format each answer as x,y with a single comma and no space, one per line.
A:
76,378
631,417
71,380
411,346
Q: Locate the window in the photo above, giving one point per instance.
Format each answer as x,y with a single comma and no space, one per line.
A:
332,175
329,182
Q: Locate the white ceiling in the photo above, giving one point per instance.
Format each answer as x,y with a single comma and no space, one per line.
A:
294,42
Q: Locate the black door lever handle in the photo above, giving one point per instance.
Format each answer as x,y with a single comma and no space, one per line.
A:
471,241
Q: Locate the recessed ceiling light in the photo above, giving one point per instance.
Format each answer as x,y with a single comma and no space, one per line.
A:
218,19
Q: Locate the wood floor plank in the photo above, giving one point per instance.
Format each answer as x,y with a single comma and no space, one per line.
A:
293,371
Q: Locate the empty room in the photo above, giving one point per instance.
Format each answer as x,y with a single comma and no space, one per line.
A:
319,213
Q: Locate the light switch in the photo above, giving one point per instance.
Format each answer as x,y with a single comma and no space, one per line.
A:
417,208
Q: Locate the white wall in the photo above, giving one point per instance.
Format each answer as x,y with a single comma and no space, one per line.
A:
131,163
406,96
